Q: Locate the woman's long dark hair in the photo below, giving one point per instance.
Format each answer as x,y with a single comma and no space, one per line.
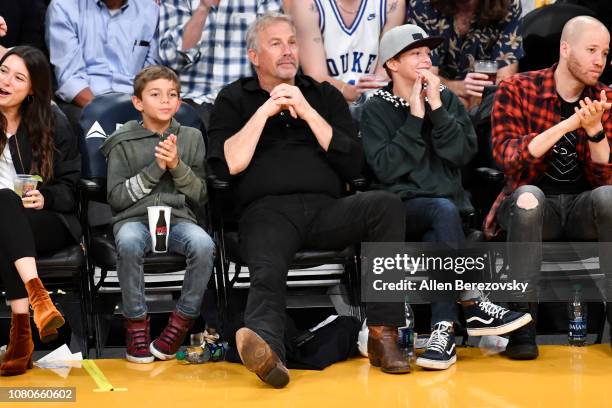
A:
489,11
35,111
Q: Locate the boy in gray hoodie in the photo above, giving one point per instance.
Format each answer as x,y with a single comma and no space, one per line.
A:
157,162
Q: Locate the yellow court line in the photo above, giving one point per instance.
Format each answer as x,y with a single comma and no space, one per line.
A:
98,376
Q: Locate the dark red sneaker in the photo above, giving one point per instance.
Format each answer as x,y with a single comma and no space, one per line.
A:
138,338
167,344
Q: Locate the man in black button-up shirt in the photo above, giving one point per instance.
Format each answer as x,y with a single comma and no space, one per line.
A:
273,153
290,145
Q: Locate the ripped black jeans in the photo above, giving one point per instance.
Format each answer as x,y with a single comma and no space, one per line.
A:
578,217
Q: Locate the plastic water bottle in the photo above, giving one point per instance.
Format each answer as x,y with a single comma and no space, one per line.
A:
406,333
194,355
217,351
206,352
577,320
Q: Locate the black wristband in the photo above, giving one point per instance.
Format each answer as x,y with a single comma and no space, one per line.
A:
598,137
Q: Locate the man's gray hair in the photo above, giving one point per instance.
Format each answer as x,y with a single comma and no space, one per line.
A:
261,23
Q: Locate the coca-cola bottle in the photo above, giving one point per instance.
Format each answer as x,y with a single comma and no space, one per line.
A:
161,232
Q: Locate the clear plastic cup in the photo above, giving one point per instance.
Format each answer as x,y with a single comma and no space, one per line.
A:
24,183
486,67
489,68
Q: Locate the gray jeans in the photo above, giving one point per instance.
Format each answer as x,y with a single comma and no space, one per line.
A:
580,217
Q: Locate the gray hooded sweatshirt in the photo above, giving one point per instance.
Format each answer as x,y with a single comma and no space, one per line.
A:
135,181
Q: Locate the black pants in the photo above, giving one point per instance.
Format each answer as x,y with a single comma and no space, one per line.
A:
25,232
274,228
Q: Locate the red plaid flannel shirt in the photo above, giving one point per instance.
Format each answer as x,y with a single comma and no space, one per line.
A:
526,105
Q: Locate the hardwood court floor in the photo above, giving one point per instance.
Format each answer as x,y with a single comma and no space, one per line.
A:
561,377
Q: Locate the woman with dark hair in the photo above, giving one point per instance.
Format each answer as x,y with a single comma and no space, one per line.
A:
472,30
34,139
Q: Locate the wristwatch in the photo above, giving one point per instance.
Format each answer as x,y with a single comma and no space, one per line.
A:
598,137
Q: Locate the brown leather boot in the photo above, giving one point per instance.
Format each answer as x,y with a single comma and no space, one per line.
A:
384,352
18,355
258,357
46,316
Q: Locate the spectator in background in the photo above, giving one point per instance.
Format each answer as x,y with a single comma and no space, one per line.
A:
530,5
339,39
24,24
204,42
3,30
98,47
473,30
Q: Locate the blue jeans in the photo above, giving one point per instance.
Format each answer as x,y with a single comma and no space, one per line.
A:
134,241
432,219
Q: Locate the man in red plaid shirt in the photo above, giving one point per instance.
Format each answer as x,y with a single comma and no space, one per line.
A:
552,131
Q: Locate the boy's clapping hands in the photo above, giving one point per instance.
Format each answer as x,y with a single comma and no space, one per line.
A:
166,153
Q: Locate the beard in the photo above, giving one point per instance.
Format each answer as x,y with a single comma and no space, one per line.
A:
580,73
287,73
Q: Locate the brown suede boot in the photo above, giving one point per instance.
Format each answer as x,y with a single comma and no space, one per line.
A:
18,355
48,335
384,352
46,316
